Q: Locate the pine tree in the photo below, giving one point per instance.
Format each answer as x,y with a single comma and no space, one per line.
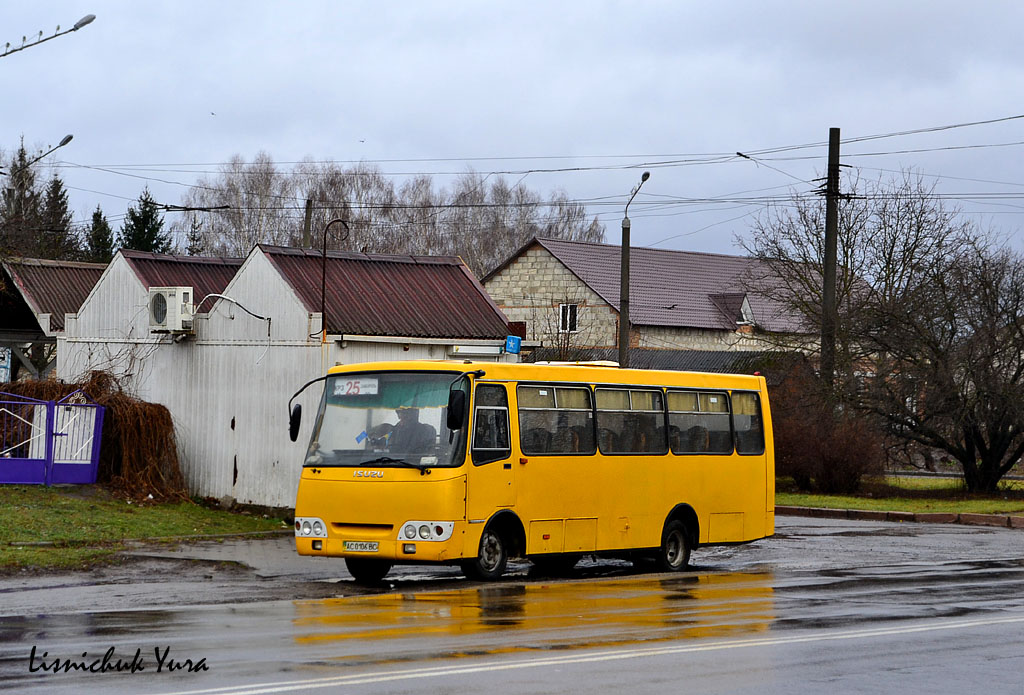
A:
143,227
20,208
99,240
194,237
57,239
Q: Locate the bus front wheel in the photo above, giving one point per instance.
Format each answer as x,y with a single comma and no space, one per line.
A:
674,554
491,558
367,570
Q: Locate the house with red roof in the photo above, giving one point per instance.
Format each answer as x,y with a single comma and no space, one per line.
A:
35,295
567,293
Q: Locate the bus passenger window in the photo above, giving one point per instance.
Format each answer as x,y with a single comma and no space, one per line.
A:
746,419
491,441
555,420
702,420
630,421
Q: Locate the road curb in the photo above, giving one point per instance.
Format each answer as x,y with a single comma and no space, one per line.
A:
998,520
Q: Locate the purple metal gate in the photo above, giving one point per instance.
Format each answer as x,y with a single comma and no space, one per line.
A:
49,442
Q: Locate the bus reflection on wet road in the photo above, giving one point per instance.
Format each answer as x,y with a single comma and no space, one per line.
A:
504,619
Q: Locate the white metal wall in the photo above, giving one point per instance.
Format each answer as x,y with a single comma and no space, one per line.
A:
228,388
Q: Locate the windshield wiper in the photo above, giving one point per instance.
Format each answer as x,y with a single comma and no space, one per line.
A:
388,459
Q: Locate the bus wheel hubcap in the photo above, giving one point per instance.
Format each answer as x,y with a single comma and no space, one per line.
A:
490,551
674,549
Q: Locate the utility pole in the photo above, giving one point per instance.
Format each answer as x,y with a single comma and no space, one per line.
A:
828,302
624,280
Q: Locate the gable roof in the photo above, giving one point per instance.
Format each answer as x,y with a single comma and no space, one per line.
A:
45,287
671,288
374,294
204,275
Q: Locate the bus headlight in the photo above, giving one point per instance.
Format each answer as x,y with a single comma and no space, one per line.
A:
310,526
426,530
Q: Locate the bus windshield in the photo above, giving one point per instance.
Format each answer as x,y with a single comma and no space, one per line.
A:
385,419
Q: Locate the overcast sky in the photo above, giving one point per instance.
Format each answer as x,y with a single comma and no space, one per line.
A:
157,93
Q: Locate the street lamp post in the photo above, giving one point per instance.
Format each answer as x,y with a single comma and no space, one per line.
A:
66,139
87,19
17,183
624,280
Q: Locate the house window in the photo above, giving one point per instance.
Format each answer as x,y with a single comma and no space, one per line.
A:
567,318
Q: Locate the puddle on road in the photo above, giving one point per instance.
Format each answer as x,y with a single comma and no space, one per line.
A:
535,616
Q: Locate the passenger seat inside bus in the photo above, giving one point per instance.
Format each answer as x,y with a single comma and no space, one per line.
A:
698,439
536,441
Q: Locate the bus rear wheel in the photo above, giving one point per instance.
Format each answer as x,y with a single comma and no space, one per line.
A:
367,570
674,554
491,559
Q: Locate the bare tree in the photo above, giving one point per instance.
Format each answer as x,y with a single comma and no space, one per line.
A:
950,361
930,332
481,218
564,322
245,204
889,229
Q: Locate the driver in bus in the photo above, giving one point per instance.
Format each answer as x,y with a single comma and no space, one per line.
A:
409,435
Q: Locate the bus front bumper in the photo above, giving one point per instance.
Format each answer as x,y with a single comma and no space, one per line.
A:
390,549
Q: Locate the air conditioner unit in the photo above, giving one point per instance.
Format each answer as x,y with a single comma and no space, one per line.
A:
170,309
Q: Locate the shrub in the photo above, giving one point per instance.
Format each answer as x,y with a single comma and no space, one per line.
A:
822,447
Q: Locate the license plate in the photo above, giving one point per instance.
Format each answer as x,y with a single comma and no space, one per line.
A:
360,546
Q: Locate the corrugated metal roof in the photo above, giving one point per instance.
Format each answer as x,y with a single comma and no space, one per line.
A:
672,288
371,294
204,275
52,287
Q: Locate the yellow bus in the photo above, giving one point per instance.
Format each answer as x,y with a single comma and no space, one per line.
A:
476,463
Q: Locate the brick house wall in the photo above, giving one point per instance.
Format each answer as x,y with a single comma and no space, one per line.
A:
531,288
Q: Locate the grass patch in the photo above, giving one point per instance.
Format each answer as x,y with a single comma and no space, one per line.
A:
910,494
87,525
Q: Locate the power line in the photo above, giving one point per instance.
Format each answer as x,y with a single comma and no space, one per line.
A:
642,156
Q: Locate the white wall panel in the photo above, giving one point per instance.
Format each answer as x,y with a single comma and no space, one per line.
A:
229,373
259,288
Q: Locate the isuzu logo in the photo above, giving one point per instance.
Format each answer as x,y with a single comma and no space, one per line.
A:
368,474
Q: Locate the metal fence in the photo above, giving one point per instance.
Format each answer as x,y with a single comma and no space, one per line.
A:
49,442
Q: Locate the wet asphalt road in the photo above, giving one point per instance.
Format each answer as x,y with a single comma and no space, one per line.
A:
825,605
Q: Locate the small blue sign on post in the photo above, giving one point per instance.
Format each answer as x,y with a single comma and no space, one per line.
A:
512,344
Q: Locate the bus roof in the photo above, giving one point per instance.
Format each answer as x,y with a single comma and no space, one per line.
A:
569,372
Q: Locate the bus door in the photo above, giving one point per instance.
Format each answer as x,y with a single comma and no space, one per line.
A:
559,490
491,482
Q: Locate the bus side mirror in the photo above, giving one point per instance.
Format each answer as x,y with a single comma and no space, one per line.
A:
294,420
456,409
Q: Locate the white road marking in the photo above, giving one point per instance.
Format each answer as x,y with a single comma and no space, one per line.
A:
613,655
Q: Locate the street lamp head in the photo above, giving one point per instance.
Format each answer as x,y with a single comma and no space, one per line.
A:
646,175
87,19
66,140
